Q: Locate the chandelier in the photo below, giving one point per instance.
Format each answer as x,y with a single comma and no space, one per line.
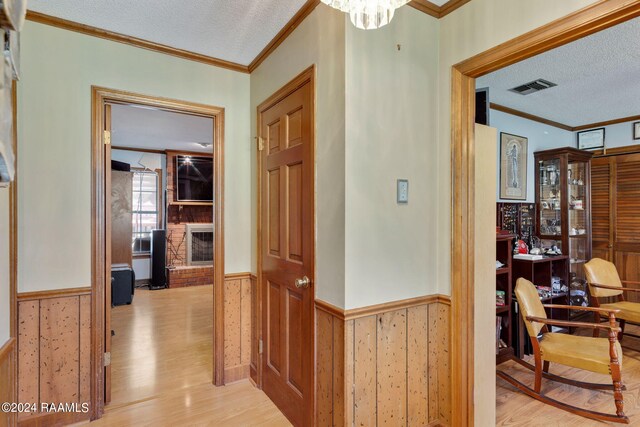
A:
367,14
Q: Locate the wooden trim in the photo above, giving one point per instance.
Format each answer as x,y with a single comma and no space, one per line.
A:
100,97
138,150
141,255
606,152
528,116
591,19
450,6
236,276
54,293
282,35
435,10
426,7
562,126
371,310
607,123
7,348
65,24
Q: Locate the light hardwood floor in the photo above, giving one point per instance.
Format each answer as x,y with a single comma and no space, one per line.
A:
162,367
516,409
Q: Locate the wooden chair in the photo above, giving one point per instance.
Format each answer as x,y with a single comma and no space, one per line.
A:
601,355
604,282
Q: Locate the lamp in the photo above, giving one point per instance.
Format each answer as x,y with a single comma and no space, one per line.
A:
367,14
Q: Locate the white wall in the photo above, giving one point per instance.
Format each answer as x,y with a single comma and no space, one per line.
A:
318,40
541,137
472,29
5,290
391,132
54,133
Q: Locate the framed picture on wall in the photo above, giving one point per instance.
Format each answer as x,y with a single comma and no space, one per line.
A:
636,130
513,166
591,139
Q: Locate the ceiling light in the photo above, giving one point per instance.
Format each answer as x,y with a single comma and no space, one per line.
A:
204,144
368,14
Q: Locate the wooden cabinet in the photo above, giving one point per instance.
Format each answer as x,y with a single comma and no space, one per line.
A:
563,199
616,213
517,218
504,318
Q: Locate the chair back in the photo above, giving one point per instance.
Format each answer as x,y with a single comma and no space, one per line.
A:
530,305
602,272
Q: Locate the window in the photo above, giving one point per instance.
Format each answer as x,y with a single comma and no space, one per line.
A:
145,214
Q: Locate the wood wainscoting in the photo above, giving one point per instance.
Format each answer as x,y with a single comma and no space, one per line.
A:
237,326
387,364
54,345
8,361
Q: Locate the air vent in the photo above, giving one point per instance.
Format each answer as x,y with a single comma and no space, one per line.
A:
534,86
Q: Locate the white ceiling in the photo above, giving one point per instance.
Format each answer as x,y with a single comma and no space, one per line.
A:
233,30
140,127
438,2
598,79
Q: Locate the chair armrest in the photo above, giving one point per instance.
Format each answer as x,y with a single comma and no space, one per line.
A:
616,288
631,282
579,307
570,324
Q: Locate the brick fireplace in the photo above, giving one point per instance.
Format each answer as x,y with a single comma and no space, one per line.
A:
181,218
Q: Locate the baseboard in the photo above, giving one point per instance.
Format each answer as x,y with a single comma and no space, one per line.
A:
237,373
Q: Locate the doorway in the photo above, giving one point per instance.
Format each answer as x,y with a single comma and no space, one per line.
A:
286,248
592,19
103,101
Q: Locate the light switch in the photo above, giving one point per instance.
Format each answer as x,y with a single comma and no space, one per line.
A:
403,191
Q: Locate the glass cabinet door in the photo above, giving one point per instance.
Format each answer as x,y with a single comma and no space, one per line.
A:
550,201
577,227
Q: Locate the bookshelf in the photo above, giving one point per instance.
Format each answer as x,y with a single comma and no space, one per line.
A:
504,318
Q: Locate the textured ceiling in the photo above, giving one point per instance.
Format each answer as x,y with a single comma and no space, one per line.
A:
598,79
140,127
233,30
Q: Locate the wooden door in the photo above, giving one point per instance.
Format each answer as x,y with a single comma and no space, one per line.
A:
287,252
601,208
107,265
623,198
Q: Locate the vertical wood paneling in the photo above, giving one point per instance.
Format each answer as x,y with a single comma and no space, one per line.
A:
245,322
59,350
54,352
29,353
349,377
255,337
238,330
417,366
444,362
85,349
392,368
338,373
433,350
324,368
388,369
365,373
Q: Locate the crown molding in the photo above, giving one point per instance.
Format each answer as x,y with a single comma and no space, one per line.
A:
435,10
65,24
282,35
528,116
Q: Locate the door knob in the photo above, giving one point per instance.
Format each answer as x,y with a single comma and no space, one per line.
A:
303,282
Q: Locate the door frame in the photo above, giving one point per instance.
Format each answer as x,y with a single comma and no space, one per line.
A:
100,187
307,76
591,19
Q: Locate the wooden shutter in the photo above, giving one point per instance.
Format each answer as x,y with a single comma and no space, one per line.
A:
601,214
